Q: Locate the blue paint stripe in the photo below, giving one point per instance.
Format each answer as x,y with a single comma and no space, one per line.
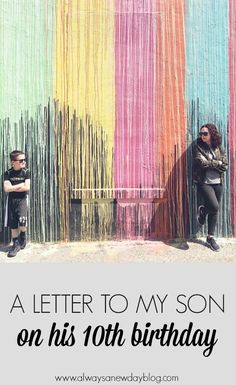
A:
207,60
207,85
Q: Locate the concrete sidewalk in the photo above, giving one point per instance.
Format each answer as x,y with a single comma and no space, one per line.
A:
124,251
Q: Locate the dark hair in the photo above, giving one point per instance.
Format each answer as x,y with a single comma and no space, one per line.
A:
215,135
14,154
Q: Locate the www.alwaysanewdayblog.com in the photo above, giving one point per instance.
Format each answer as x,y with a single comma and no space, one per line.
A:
144,378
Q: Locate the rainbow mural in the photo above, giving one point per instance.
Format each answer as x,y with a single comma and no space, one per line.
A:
105,97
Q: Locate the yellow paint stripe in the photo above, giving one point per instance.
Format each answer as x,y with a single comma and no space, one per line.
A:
85,60
84,87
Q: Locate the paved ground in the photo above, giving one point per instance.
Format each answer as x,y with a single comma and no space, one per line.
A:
125,251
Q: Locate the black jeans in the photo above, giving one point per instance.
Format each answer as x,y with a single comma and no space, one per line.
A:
211,194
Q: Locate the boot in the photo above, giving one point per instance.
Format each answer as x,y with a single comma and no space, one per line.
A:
15,248
22,239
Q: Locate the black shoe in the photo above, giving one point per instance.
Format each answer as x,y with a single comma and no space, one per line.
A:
22,240
212,244
14,250
201,216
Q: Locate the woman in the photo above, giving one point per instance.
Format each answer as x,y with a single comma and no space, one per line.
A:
209,165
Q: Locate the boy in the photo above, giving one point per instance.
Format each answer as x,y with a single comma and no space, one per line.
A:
17,185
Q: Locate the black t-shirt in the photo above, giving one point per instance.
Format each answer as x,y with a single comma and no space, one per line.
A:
16,177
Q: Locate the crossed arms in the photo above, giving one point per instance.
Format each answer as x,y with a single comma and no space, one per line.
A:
21,187
203,161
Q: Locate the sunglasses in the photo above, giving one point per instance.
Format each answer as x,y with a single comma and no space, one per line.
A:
204,133
20,160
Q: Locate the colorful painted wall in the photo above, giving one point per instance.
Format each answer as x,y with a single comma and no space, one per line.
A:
105,97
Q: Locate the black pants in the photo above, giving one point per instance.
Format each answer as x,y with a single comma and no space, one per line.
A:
211,194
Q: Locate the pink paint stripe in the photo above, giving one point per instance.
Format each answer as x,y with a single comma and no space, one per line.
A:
135,58
232,109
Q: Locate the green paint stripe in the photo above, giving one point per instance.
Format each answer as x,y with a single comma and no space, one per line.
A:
27,34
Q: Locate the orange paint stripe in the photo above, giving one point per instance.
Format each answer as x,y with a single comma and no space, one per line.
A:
171,115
